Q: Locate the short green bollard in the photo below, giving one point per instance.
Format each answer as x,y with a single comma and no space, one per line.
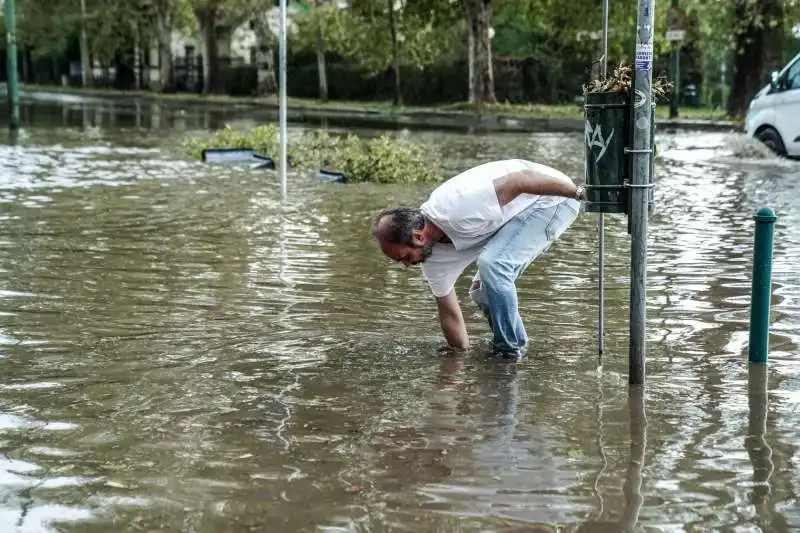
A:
762,285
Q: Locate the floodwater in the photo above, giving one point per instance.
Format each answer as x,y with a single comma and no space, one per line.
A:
181,352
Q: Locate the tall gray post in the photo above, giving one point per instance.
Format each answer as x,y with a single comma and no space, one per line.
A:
87,74
600,220
10,22
640,184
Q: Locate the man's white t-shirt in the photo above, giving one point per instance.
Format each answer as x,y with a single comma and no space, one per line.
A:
467,210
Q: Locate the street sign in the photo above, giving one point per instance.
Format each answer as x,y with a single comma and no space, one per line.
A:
676,35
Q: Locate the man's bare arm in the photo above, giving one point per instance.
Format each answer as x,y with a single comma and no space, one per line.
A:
452,321
532,182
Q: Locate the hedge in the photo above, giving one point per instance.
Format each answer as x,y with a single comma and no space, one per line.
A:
383,159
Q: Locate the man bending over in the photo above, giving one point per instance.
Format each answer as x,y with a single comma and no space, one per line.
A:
502,214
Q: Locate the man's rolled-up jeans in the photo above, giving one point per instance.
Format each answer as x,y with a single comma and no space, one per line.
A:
506,256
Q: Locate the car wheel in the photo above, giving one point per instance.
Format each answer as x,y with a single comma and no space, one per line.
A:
773,140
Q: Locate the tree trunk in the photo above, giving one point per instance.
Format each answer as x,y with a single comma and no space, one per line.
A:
471,63
398,91
25,64
478,20
489,57
758,49
208,22
166,78
265,57
224,40
321,66
125,75
87,74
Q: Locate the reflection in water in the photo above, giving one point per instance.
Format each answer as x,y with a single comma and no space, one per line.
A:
633,478
181,351
760,452
758,449
633,498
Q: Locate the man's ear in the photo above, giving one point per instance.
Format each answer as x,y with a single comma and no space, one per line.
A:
418,237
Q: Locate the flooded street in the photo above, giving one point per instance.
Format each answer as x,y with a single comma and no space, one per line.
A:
181,352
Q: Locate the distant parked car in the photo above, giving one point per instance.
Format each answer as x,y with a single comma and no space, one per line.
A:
774,113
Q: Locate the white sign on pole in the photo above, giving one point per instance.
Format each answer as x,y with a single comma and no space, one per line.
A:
796,31
676,35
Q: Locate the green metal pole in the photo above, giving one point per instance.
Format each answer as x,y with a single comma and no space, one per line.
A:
762,285
10,20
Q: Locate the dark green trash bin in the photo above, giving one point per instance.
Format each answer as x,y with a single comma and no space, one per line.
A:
606,135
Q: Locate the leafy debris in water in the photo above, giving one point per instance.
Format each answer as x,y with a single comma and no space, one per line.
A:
621,80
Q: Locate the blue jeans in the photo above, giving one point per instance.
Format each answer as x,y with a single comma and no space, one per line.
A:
509,252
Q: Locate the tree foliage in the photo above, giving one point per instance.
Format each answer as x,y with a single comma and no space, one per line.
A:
720,32
361,34
46,28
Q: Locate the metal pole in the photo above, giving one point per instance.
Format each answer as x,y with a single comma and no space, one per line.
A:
762,285
87,73
642,153
10,19
677,78
282,83
604,59
674,103
600,219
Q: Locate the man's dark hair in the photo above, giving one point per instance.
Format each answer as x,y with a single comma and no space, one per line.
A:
395,225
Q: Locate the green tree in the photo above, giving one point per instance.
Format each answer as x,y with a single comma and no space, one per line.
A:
216,21
166,16
107,30
321,64
266,42
46,30
377,35
753,33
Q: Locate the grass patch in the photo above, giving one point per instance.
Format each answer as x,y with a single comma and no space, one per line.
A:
524,110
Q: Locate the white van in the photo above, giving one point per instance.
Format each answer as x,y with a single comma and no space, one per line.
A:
774,114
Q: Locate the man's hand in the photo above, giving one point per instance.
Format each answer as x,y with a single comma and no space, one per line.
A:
580,193
452,321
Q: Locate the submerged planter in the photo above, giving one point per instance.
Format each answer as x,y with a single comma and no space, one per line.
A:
608,135
237,156
333,176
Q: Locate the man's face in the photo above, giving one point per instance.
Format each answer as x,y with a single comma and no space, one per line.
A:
407,255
